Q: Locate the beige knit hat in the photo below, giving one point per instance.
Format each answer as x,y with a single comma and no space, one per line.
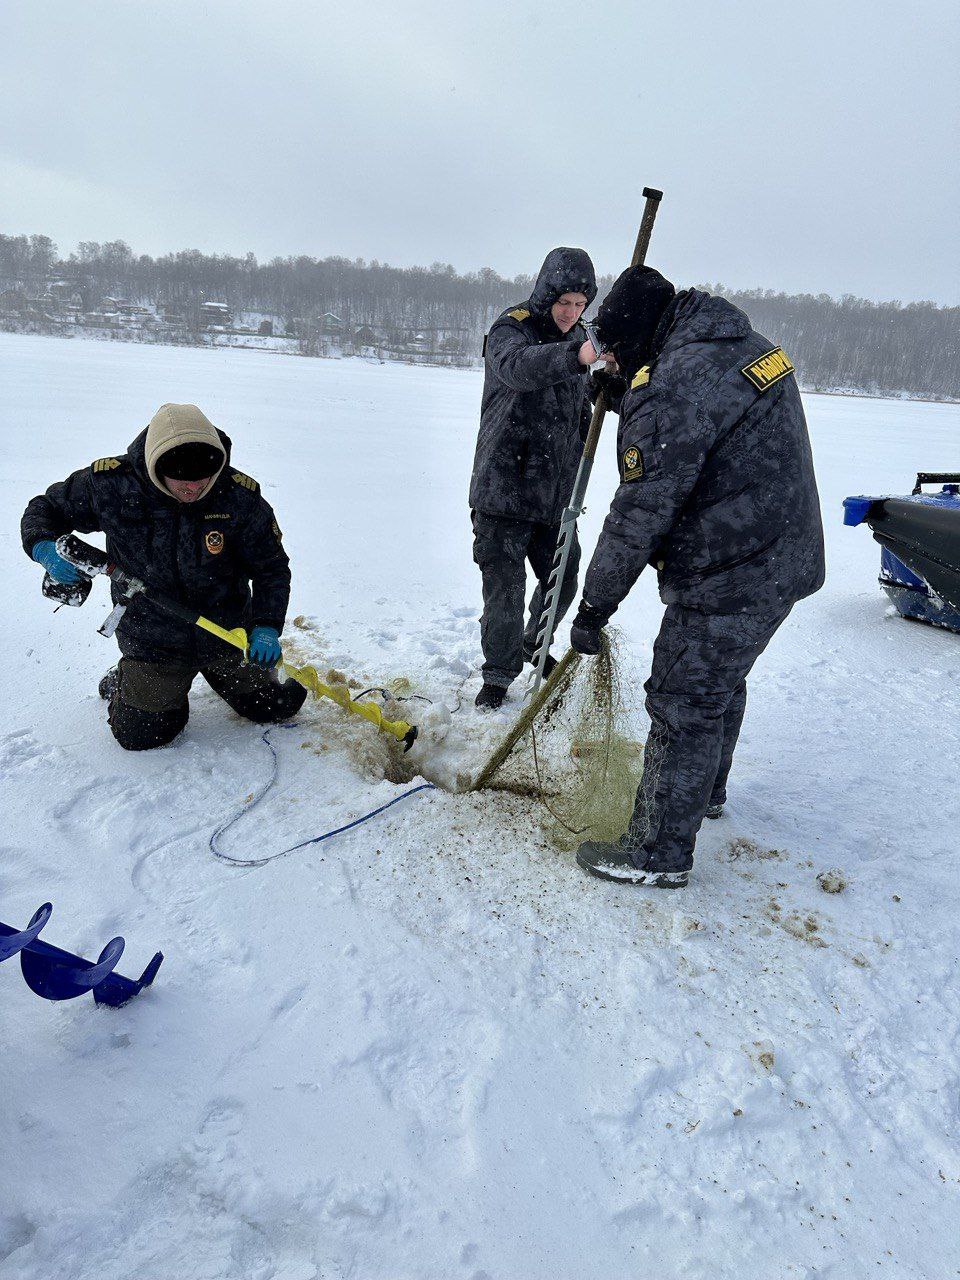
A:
173,425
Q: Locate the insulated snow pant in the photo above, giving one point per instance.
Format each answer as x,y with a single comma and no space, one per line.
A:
696,697
501,548
149,707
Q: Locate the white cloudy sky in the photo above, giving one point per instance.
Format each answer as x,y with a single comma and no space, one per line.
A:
809,146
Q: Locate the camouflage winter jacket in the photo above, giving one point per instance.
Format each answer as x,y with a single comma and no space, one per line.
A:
535,411
206,554
717,487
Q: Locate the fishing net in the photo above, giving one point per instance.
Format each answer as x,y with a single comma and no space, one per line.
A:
578,752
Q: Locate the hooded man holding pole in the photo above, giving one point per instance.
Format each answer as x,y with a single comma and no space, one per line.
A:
534,418
717,490
178,517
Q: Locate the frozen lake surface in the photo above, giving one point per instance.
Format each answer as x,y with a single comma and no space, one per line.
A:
432,1048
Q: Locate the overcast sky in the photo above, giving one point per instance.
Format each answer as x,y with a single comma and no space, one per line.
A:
808,147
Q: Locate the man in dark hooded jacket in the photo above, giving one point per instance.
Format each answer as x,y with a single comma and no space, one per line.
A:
533,421
717,490
180,518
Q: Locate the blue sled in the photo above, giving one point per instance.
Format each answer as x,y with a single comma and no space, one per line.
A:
60,975
919,537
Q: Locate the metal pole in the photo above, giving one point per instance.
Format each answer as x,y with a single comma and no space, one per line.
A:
568,524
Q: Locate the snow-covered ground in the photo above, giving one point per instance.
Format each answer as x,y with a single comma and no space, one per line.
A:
432,1048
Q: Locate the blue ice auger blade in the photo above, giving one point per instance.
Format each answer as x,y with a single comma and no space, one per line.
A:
116,990
60,975
12,940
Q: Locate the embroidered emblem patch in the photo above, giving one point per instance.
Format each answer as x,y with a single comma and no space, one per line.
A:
246,482
106,464
276,532
642,378
519,313
632,464
213,541
768,369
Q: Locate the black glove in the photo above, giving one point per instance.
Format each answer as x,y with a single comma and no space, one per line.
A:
585,631
612,385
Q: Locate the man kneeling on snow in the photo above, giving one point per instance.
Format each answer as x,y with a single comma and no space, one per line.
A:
177,516
717,491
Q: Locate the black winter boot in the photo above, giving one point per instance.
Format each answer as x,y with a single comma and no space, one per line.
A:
109,684
613,862
548,666
490,697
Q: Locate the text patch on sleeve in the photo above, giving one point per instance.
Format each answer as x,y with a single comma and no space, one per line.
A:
768,369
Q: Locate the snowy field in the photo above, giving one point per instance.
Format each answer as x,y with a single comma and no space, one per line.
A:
432,1048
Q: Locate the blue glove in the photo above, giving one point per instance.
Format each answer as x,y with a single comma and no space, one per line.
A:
60,570
264,648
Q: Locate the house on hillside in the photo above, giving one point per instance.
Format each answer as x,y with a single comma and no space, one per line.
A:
67,294
215,315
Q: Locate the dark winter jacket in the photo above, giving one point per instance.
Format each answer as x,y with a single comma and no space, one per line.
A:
206,554
535,412
716,475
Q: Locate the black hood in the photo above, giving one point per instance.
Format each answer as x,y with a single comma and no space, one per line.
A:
564,271
630,316
696,316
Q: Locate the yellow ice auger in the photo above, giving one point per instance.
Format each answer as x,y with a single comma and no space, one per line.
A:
310,679
91,561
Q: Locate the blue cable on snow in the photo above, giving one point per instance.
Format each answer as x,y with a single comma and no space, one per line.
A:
258,796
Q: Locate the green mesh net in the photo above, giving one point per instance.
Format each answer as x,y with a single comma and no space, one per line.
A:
577,749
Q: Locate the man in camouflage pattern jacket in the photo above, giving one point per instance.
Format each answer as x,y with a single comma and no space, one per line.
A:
717,490
534,417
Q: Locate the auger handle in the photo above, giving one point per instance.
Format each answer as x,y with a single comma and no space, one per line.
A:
547,621
652,198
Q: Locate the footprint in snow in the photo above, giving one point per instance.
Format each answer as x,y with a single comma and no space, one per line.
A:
21,750
223,1119
288,1001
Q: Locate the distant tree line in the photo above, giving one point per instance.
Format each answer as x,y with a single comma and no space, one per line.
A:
847,343
852,344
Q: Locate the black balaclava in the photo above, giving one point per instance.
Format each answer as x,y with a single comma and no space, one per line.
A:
628,318
193,461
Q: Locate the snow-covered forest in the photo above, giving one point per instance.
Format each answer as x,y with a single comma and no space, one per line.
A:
431,314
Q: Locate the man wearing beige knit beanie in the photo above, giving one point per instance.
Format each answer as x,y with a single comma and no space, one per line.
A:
178,516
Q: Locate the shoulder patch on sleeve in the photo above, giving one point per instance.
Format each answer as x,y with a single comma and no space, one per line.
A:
641,379
768,369
106,464
245,481
519,313
631,465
